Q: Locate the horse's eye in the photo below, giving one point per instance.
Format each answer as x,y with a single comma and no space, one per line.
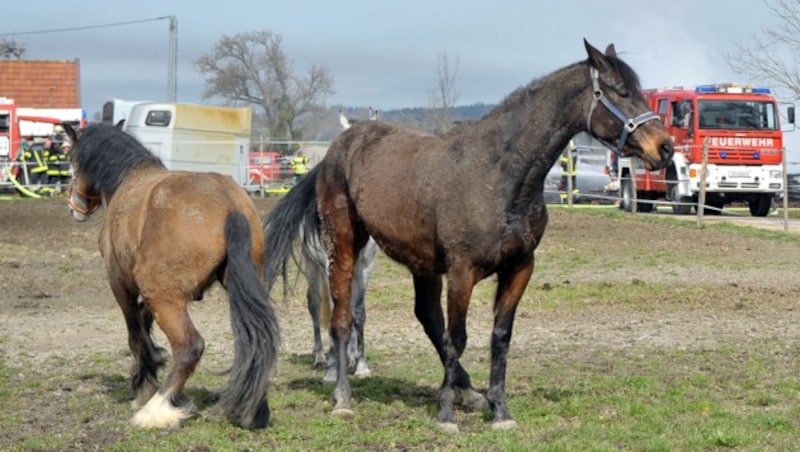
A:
622,90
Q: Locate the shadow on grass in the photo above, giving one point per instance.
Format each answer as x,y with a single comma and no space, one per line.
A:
377,389
118,387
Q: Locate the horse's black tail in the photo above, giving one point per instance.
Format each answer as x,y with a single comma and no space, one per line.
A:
282,225
255,329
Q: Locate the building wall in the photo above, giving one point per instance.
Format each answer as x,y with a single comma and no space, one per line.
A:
41,84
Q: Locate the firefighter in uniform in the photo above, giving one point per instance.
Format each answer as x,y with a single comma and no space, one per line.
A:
64,164
35,165
299,166
52,155
569,169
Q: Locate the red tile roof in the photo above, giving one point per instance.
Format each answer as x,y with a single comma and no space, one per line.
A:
41,84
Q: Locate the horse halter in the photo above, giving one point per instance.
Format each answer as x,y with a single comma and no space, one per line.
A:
629,125
81,202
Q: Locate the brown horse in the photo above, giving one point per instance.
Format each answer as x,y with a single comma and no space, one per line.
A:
467,205
167,237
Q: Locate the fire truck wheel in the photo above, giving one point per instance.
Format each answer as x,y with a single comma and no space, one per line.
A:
713,206
644,207
684,208
683,204
760,205
626,193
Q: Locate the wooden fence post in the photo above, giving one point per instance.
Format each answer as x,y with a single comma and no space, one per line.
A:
701,198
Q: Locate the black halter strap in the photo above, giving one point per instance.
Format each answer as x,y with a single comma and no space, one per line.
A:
629,125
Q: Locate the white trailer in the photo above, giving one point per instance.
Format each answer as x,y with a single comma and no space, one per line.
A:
195,137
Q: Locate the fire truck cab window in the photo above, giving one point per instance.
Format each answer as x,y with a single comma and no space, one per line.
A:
160,118
4,125
682,114
742,115
663,105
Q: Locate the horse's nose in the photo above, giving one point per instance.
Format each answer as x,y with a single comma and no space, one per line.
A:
666,150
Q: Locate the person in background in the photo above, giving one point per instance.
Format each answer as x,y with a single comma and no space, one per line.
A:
64,164
569,169
52,151
299,165
35,164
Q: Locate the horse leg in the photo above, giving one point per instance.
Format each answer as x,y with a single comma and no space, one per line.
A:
162,409
315,309
340,284
511,283
363,270
152,359
147,357
428,309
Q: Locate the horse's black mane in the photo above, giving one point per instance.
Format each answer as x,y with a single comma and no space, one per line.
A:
629,79
105,155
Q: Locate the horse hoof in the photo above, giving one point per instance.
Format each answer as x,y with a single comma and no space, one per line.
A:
342,412
473,400
448,427
508,424
362,373
158,412
329,378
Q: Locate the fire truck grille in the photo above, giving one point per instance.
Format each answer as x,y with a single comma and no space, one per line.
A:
733,155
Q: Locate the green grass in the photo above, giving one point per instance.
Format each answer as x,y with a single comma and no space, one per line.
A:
731,397
741,395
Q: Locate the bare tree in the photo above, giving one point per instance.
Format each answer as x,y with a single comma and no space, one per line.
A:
9,49
772,56
444,94
252,69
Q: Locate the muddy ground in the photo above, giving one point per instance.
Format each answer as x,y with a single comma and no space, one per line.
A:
55,301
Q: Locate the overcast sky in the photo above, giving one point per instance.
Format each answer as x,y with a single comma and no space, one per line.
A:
382,54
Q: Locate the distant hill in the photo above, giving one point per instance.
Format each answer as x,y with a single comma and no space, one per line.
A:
324,125
420,116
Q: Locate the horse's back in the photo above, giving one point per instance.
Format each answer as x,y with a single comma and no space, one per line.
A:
169,222
388,175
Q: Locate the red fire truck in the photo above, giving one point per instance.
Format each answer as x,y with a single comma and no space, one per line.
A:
745,144
13,127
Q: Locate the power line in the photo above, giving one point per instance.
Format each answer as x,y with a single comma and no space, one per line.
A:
86,27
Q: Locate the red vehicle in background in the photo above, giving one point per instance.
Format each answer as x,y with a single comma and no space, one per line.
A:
745,149
265,167
13,128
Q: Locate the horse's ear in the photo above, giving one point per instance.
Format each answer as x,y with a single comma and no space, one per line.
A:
119,124
611,51
71,133
596,59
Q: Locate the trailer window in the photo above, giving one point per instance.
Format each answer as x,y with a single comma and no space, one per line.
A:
737,115
107,116
159,118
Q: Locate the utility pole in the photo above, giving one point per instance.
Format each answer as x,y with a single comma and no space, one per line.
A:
172,64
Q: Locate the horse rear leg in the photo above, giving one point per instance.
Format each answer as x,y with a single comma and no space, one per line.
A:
511,283
315,297
166,409
364,265
147,357
428,309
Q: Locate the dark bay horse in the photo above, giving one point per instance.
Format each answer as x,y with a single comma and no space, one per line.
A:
467,204
167,237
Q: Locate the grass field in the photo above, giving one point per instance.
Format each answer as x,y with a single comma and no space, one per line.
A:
620,344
